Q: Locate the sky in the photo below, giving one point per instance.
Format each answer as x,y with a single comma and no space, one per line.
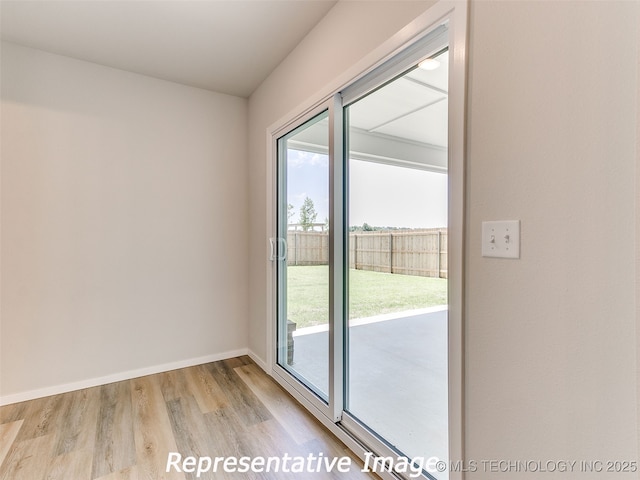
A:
308,176
380,195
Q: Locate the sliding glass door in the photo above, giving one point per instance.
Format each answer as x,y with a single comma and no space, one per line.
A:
301,250
363,257
397,245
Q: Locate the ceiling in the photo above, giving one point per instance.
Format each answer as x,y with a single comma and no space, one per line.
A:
403,123
227,46
412,107
231,46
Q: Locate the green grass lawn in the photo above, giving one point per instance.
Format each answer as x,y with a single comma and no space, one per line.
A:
371,293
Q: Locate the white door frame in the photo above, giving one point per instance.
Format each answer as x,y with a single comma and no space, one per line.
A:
455,14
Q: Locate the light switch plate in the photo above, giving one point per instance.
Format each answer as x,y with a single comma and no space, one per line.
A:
501,239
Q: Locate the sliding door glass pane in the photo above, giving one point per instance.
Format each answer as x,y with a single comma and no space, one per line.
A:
397,278
303,272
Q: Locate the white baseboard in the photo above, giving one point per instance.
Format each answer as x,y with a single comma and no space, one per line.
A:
118,377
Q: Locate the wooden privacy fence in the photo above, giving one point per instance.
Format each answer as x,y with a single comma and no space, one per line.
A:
307,248
416,252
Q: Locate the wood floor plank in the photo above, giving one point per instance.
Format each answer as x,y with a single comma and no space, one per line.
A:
153,435
29,459
188,441
226,433
193,437
13,412
129,473
114,440
77,427
289,413
8,433
242,399
72,465
125,430
205,389
238,361
270,436
268,433
188,425
173,384
41,417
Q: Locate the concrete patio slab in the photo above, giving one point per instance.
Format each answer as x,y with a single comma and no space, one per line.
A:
397,377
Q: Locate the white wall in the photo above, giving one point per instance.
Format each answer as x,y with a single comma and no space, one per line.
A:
551,367
551,338
638,237
124,223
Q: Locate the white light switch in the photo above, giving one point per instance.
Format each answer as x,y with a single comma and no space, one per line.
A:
501,239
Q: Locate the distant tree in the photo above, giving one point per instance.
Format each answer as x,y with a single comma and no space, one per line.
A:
366,227
290,212
307,214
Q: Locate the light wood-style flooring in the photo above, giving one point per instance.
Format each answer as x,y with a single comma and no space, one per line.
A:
125,430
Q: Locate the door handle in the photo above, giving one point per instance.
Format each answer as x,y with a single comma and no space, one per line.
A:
285,249
274,247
